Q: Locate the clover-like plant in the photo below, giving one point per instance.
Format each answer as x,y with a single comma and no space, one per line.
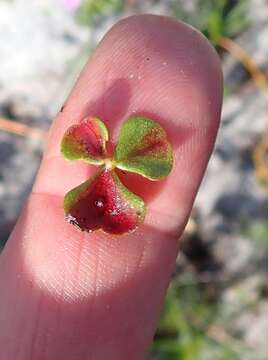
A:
103,202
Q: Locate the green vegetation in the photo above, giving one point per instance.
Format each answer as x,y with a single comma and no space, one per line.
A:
91,11
215,18
183,332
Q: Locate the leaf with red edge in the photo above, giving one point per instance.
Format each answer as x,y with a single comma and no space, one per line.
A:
143,148
104,202
86,141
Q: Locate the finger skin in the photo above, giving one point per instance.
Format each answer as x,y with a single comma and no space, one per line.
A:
70,295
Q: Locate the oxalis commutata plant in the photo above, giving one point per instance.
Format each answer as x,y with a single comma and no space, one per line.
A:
103,202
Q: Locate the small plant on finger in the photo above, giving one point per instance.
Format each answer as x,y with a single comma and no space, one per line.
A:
103,202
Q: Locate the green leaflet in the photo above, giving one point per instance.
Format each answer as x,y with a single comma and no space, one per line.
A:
143,148
86,141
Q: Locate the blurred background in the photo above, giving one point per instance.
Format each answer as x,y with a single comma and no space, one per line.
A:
217,304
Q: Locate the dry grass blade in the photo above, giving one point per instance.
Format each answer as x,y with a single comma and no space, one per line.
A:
17,128
246,60
261,151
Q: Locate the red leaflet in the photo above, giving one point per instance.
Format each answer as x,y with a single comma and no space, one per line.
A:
104,202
